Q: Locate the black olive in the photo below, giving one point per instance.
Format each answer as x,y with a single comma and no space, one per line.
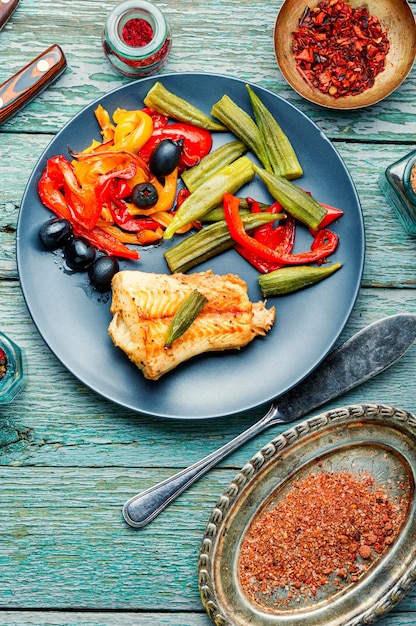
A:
102,271
165,157
144,195
55,232
79,253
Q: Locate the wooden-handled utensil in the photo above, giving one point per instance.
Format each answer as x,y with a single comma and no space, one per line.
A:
28,82
366,354
7,7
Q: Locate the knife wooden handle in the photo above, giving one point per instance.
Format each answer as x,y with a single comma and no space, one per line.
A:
21,88
7,7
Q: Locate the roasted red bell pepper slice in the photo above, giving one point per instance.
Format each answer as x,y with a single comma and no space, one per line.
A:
54,200
137,225
197,142
113,185
159,119
324,244
262,266
287,235
254,205
111,190
268,234
123,218
332,214
181,196
126,174
82,202
280,238
122,189
106,242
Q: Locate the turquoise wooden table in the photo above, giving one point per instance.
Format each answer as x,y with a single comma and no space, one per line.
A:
69,458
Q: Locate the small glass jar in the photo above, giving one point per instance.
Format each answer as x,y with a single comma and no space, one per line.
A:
399,187
148,54
12,375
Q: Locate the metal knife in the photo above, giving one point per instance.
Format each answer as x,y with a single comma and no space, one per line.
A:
366,354
7,7
21,88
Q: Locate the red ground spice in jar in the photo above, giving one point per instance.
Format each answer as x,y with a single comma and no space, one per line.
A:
137,32
327,529
339,49
136,38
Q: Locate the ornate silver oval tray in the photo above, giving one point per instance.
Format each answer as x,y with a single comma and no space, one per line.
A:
375,442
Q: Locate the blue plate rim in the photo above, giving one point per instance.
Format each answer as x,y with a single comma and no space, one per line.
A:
196,410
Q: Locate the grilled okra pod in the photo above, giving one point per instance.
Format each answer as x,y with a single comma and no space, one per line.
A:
210,194
282,157
184,316
164,101
217,214
297,202
242,125
210,241
213,163
289,279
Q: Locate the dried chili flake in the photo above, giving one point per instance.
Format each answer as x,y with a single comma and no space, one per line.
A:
3,363
327,528
339,49
137,32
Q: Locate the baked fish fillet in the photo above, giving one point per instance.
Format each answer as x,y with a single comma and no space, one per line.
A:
143,305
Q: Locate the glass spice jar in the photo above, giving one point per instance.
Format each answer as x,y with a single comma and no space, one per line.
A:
136,38
12,375
399,187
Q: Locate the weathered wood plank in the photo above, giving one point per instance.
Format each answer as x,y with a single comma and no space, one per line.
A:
237,37
69,459
119,618
70,425
89,558
122,618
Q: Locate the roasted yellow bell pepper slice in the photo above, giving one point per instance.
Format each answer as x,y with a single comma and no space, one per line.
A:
133,129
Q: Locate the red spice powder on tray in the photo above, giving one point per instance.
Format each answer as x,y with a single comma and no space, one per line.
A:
326,530
339,49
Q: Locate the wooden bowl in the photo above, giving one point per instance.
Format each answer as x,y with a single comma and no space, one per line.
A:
395,15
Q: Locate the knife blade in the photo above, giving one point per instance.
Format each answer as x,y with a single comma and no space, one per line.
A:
366,354
7,8
28,82
363,356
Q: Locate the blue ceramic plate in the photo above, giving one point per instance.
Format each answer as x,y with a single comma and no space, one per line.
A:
73,319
